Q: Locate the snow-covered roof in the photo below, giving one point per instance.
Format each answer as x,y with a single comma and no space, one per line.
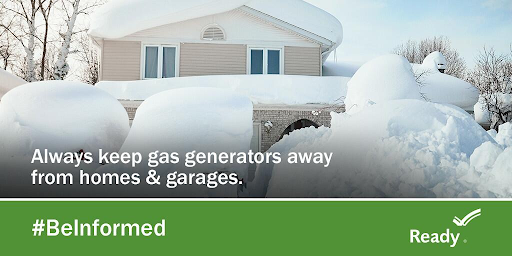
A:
120,18
8,81
262,89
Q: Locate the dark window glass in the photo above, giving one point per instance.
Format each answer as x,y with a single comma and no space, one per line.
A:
151,68
274,60
256,62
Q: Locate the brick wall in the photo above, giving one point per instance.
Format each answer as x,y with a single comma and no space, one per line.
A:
280,116
282,119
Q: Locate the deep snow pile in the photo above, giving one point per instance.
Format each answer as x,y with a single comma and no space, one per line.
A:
401,148
120,18
60,116
8,81
392,143
491,165
264,89
436,86
184,120
207,120
385,78
442,88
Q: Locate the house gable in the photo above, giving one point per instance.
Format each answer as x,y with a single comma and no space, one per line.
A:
239,26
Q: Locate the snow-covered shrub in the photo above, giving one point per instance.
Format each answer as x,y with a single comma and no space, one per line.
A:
385,78
193,119
403,148
187,120
60,116
8,81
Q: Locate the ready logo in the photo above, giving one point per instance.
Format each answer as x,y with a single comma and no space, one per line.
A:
447,237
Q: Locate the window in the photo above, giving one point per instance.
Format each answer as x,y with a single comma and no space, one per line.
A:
213,33
265,61
151,67
256,62
159,61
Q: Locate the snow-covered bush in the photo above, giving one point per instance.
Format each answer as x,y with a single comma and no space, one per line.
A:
403,148
193,119
60,116
8,81
442,88
385,78
206,120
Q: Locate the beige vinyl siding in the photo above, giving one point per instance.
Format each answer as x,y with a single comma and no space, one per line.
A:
212,59
302,61
121,61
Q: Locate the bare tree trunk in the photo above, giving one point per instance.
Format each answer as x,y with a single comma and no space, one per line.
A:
61,66
46,14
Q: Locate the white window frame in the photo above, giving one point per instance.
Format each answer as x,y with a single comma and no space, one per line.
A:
160,60
265,58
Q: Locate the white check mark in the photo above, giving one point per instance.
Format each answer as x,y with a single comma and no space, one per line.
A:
466,220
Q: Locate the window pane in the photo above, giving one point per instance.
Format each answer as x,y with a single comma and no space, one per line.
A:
257,62
151,69
274,57
169,62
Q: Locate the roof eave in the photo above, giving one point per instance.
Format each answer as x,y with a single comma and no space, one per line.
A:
324,42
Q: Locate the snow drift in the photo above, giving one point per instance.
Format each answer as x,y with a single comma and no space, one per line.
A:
385,78
262,89
443,88
8,81
61,117
435,86
207,120
402,148
184,120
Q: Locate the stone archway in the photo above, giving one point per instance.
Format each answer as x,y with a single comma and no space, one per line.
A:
300,124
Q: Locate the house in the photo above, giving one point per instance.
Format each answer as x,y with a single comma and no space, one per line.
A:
140,40
157,39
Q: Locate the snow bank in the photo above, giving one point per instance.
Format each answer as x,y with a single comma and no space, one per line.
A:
61,117
442,88
403,148
385,78
200,119
120,18
437,87
8,81
504,137
207,120
491,165
262,89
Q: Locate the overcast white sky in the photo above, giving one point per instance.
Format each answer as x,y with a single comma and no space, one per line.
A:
376,27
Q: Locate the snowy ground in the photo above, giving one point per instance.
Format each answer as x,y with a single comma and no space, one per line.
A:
392,143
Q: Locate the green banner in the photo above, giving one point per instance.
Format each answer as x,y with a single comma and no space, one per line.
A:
255,228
